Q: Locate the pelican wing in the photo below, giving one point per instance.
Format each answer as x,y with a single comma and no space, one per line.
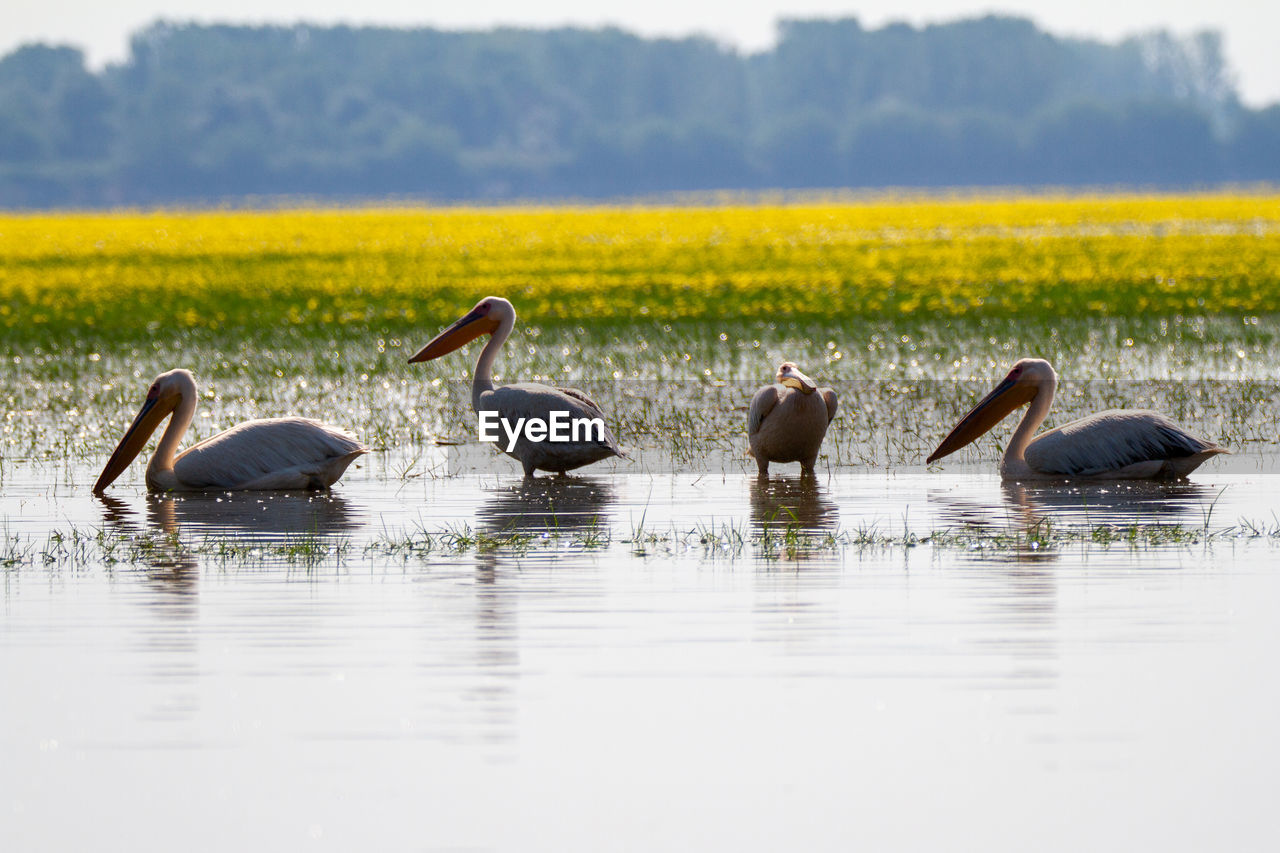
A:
268,453
761,405
833,404
535,400
1110,441
581,397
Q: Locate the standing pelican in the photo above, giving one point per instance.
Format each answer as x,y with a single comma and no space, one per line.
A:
496,317
789,419
275,453
1117,444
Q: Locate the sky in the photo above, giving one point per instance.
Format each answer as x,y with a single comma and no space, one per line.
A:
102,29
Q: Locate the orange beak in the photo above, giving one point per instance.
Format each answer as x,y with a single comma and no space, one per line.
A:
1003,399
135,438
464,331
791,376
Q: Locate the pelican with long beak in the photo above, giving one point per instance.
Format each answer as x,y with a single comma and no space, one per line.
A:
273,453
1119,444
788,420
523,402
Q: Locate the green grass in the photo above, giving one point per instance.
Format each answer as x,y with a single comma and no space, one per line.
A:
679,390
99,548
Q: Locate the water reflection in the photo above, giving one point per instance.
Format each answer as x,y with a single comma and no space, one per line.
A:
1021,524
178,529
547,505
169,644
1005,529
255,515
494,652
781,502
170,566
1077,505
1142,502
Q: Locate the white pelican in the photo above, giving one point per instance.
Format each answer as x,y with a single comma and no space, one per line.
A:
275,453
495,316
1117,444
788,420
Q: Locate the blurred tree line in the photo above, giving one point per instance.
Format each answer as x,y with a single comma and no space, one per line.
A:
208,113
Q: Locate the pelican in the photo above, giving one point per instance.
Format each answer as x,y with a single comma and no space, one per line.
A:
496,317
275,453
1118,444
788,420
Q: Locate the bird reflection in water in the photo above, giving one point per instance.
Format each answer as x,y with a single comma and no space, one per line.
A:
262,517
575,507
259,518
790,502
547,505
1030,511
1085,505
170,566
173,574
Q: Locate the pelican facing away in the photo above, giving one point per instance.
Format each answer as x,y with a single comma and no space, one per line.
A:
788,420
496,317
273,453
1118,444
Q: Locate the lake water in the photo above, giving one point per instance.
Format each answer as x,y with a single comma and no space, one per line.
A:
637,659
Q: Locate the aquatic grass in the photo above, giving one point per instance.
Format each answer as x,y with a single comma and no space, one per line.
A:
780,539
63,407
454,539
15,550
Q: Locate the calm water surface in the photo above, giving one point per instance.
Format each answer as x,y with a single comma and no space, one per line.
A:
640,672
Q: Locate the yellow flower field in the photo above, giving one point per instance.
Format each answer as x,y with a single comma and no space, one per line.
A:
1105,255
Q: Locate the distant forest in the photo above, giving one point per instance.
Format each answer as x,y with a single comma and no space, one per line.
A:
211,114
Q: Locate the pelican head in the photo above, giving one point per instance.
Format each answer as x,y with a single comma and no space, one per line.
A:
790,376
1027,378
484,319
164,395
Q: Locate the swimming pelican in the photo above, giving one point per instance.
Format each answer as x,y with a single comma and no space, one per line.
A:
495,316
788,420
275,453
1118,444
